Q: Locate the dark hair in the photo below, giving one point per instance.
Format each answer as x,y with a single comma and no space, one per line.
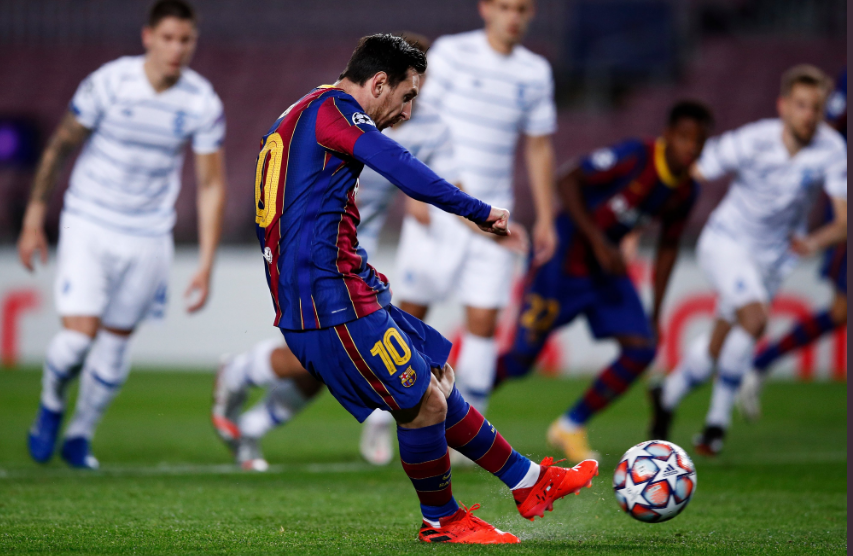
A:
170,8
804,74
421,42
388,53
690,110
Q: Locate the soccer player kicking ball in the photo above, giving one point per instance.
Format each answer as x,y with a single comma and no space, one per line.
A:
135,115
335,310
834,269
610,193
753,238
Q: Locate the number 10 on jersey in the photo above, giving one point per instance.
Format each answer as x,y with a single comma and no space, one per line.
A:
266,180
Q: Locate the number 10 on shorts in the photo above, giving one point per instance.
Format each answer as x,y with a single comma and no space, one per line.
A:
393,350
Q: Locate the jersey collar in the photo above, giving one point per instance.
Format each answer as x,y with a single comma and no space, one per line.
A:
665,174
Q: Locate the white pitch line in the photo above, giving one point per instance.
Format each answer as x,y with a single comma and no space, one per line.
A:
181,469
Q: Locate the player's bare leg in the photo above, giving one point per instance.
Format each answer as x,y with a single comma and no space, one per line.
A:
104,372
804,332
63,361
375,444
568,432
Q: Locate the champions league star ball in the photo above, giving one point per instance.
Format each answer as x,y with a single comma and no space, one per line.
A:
654,481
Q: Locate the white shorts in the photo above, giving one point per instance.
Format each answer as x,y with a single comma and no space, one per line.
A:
738,277
447,258
117,277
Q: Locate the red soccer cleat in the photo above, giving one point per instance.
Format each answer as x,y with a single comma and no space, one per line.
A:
553,484
465,528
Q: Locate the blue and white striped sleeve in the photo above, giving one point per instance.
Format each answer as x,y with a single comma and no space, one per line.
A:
722,155
540,117
91,99
210,135
440,75
835,178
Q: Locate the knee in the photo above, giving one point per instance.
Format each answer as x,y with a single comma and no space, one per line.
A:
431,410
753,318
838,311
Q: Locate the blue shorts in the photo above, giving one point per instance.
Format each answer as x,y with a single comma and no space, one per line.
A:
553,299
381,361
834,267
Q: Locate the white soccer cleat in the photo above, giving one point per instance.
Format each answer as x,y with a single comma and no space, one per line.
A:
749,396
227,405
249,455
375,444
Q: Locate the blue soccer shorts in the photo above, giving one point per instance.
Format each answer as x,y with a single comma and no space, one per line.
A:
553,299
381,361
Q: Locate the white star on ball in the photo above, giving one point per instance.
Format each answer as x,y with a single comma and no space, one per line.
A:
669,470
633,493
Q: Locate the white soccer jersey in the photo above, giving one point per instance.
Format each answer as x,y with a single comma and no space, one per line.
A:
428,138
488,99
772,192
128,176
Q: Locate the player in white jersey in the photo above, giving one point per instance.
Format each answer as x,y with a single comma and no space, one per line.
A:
491,92
754,237
134,115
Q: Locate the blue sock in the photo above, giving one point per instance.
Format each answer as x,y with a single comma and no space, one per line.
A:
423,453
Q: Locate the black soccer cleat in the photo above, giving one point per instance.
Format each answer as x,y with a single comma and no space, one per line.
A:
709,442
661,418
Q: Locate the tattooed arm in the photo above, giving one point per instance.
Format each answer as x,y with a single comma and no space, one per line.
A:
68,136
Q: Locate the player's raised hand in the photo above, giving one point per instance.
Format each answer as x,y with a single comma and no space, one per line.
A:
497,223
33,239
198,291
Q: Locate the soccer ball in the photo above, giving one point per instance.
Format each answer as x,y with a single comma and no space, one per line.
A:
654,481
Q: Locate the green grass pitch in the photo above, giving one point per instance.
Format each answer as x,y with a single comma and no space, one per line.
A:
167,485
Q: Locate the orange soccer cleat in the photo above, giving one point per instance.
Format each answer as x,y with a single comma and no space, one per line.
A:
465,528
553,484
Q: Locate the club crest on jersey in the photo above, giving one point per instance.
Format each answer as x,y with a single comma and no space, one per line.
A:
268,254
359,118
408,378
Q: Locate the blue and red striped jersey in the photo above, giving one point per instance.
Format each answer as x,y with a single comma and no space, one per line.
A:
306,184
626,186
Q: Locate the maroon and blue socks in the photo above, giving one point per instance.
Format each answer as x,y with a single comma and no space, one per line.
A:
426,461
611,383
804,332
468,432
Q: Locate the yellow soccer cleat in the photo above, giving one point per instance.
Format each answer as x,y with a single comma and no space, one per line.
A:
572,442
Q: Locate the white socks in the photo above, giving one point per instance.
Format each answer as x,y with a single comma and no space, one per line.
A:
106,370
694,369
475,374
281,403
252,368
63,360
379,418
734,362
530,477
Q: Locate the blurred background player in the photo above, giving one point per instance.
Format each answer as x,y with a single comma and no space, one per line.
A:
605,197
490,91
135,115
270,364
335,311
810,329
754,237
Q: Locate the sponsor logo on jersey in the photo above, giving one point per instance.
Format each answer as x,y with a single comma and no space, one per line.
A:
359,118
408,378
